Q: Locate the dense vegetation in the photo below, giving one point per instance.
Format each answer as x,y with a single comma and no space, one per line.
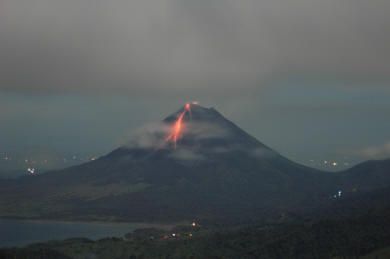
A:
344,238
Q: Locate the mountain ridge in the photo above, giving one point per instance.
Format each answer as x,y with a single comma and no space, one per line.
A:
194,164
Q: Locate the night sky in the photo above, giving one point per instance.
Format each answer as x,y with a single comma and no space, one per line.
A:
309,78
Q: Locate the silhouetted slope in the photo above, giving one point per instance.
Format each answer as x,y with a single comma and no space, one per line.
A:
368,175
359,236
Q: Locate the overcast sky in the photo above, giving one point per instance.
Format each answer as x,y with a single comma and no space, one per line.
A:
309,78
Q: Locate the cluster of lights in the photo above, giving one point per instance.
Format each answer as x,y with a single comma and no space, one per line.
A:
177,235
329,163
334,163
31,162
338,194
31,170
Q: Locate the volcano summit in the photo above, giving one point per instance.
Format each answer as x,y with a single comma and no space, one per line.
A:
196,131
195,163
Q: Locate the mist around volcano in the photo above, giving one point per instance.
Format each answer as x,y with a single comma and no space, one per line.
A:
193,133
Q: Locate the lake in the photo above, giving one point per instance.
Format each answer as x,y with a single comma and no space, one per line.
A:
15,232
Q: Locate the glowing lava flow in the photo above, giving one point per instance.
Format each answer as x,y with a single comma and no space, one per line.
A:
177,127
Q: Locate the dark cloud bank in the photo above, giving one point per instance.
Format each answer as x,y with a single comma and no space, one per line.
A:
165,45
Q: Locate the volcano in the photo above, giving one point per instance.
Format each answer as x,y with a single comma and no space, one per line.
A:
195,163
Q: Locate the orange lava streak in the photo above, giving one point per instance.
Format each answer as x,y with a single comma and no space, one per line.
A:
178,126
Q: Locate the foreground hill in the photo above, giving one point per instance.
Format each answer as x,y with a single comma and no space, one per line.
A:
364,235
369,175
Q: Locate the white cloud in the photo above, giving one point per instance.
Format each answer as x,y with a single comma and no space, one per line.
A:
374,152
150,136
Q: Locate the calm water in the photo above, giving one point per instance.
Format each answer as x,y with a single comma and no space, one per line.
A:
23,232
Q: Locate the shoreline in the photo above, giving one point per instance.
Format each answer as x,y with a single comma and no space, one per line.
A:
141,224
94,221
